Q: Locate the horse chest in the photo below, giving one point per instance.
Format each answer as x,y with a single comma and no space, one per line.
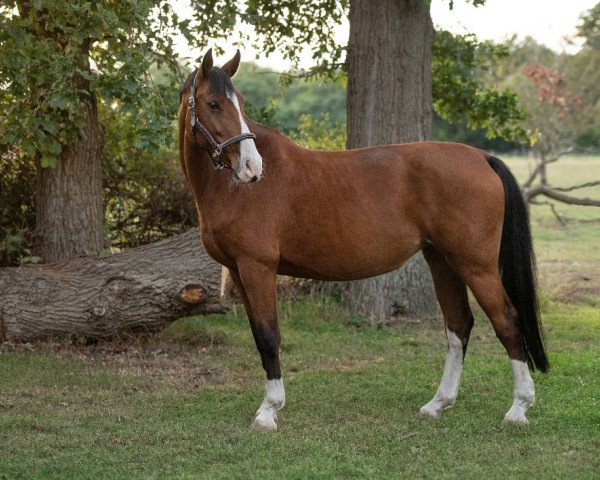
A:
214,247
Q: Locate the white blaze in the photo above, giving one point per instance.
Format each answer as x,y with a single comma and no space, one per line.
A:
250,160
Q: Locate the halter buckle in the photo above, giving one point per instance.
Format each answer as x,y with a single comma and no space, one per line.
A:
191,102
215,156
216,152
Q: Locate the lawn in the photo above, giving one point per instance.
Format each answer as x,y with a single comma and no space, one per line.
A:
179,404
568,255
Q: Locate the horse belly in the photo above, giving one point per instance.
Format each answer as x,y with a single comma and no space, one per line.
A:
364,253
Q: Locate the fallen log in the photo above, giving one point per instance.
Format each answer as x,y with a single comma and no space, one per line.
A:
142,289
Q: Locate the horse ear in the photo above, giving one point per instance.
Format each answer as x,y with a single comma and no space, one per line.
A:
232,65
207,63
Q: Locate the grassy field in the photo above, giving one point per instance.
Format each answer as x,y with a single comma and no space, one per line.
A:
568,255
179,405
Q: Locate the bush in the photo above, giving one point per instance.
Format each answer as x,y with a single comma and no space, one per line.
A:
146,197
17,208
320,133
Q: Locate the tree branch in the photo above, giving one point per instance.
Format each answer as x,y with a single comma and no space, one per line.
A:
560,219
556,194
543,163
314,72
576,187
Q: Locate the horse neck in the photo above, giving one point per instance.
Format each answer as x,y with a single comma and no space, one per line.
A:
204,180
272,145
199,171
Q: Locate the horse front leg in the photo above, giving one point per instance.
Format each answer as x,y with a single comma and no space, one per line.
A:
257,285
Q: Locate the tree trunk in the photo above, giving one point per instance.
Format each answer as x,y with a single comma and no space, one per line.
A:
145,288
69,217
389,101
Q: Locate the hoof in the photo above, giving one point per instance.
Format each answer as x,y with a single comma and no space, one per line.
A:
518,418
435,408
264,424
428,411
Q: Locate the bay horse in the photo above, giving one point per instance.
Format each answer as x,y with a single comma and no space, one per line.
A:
266,206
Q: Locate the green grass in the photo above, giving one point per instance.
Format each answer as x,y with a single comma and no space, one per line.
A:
179,405
353,396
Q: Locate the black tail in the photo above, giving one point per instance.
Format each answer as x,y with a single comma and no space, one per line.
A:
517,267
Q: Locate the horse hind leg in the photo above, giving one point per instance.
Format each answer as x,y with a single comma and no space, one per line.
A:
487,288
452,296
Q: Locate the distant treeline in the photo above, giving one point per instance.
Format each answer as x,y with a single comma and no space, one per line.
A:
282,106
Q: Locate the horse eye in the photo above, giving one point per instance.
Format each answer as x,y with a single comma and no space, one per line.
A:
213,105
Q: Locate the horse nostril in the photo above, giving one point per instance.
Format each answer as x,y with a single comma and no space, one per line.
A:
254,179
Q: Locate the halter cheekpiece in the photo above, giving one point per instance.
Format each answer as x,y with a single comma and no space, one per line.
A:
217,148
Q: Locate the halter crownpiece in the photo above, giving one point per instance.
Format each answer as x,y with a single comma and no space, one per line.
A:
217,148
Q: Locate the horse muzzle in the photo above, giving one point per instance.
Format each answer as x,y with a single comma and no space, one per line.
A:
249,171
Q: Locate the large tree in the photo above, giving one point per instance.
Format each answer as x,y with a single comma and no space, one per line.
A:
388,63
61,61
389,101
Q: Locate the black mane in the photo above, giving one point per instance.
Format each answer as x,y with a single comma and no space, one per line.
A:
220,83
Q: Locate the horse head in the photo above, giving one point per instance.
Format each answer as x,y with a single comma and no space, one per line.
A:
217,123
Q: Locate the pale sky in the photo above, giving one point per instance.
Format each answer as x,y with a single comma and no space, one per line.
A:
550,22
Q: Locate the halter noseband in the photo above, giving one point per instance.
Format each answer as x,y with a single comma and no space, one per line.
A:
217,148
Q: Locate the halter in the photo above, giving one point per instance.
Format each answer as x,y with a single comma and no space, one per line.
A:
217,148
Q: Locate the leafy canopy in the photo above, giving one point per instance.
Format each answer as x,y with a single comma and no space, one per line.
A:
459,90
286,27
283,26
58,58
589,28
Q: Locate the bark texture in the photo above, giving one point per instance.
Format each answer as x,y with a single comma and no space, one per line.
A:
69,217
145,288
69,199
389,101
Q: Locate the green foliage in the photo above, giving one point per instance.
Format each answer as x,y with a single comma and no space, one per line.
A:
147,197
560,92
286,27
288,108
17,207
582,72
311,97
265,115
279,26
459,131
14,249
257,84
458,92
63,61
56,58
320,133
571,115
589,28
280,104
